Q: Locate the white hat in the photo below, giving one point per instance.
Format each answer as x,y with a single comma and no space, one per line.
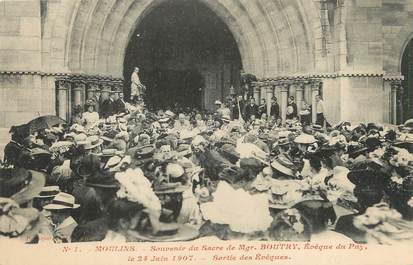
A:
77,128
217,102
305,139
49,192
169,114
62,201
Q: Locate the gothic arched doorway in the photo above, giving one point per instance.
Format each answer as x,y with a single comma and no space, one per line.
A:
407,72
186,54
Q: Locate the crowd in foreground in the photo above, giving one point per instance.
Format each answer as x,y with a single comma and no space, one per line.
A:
179,174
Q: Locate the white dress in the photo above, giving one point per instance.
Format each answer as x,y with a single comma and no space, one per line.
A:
90,119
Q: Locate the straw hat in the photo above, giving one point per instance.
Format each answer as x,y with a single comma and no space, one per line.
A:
283,165
305,139
62,201
49,192
92,142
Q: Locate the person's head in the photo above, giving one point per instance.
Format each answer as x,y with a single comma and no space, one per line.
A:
122,214
273,100
104,96
58,216
136,69
290,99
121,95
98,93
264,116
253,117
263,101
317,98
90,94
181,117
113,95
198,117
90,108
252,101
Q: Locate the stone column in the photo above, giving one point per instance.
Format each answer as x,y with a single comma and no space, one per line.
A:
78,92
292,90
62,99
395,87
314,93
256,89
307,93
269,90
299,93
284,101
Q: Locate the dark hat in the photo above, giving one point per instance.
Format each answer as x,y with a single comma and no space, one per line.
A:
89,166
318,212
372,142
230,153
356,150
105,180
20,184
318,128
367,178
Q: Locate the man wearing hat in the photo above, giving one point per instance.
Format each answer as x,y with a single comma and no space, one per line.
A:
96,99
107,106
119,104
61,214
251,109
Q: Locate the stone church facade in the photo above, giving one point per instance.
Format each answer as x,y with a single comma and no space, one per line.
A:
350,51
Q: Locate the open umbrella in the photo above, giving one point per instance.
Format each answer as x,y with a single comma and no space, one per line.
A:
44,122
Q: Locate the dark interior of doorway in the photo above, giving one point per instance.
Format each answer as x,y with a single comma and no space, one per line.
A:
407,72
176,46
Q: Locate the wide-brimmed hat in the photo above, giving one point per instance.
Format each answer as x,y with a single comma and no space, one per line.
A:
19,223
77,128
317,128
92,142
367,178
20,184
49,192
283,165
62,201
109,152
305,139
183,233
170,188
218,102
105,180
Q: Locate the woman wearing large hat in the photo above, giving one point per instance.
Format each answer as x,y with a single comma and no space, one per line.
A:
90,118
18,187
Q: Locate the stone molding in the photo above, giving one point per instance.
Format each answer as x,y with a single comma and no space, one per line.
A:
80,77
310,76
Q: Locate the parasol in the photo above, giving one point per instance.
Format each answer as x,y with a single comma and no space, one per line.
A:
44,122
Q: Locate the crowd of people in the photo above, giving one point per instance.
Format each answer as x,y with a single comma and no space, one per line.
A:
120,172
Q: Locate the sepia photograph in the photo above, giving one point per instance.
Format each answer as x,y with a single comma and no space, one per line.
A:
267,128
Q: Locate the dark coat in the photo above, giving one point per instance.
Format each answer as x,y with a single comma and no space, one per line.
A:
275,110
92,231
119,106
251,110
345,226
107,108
